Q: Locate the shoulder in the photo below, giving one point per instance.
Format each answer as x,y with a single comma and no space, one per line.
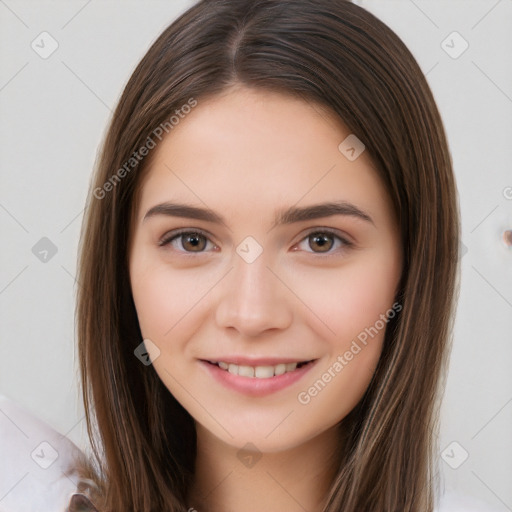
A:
36,462
453,501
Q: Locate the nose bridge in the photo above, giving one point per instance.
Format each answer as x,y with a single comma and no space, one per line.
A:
253,298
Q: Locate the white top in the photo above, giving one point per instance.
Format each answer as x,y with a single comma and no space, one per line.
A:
34,459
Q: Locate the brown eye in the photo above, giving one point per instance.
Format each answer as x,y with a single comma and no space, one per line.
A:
322,240
193,241
187,241
326,242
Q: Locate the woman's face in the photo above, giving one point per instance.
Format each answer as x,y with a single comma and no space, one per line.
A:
241,275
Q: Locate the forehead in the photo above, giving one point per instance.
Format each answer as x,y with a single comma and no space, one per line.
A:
249,150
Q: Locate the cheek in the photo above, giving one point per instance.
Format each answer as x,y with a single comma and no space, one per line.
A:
154,304
344,375
169,302
170,308
343,302
339,385
355,302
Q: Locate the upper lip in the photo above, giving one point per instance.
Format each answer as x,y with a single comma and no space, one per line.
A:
258,361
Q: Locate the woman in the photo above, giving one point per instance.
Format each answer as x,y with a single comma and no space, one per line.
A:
260,320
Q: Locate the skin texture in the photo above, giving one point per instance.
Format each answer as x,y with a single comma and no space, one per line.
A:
246,154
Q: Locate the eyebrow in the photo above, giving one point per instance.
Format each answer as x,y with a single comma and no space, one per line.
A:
287,216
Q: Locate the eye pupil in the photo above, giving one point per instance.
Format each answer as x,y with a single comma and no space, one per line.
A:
194,239
324,241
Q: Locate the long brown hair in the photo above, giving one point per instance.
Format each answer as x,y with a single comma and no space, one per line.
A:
338,55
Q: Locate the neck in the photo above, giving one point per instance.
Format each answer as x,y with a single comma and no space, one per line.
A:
294,480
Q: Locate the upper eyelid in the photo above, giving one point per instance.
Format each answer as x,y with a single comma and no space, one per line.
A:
168,236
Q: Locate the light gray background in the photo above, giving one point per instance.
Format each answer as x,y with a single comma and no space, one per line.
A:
54,114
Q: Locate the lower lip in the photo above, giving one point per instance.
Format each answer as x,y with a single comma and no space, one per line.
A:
254,386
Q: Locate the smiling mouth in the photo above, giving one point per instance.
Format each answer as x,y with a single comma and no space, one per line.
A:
260,372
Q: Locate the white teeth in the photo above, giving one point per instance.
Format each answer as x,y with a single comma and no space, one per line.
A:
290,367
246,371
279,369
263,372
258,372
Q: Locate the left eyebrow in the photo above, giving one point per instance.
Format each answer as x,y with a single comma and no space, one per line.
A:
287,216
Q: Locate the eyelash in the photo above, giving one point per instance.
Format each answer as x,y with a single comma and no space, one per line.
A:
170,237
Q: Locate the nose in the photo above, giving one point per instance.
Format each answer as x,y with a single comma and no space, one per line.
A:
254,299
